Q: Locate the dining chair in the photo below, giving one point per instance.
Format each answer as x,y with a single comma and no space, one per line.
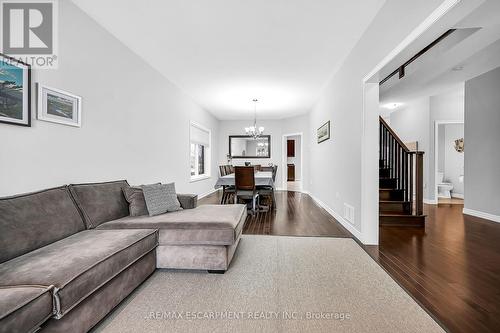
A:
228,169
257,167
222,170
268,191
227,191
266,169
244,179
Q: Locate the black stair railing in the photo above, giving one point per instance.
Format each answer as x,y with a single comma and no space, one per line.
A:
404,165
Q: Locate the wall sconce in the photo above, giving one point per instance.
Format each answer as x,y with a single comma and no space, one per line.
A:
459,145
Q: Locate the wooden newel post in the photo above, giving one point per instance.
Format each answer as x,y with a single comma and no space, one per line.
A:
419,174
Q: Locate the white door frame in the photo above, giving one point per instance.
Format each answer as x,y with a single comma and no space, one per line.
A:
370,133
284,163
436,151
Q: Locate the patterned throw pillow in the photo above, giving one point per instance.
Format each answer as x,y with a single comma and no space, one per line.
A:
136,203
161,198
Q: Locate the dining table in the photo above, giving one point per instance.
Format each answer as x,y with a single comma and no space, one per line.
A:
262,178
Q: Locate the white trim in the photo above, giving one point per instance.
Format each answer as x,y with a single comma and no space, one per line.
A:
486,216
284,159
457,195
352,229
195,179
208,162
439,12
436,149
367,212
206,194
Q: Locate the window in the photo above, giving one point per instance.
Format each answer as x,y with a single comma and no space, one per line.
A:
199,159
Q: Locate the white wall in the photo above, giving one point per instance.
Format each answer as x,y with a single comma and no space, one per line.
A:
297,159
275,128
482,138
337,162
448,106
411,123
415,121
135,122
453,160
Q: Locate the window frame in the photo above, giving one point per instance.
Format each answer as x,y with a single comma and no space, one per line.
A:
207,154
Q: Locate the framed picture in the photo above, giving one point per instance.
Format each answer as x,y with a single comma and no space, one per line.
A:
15,92
324,132
58,106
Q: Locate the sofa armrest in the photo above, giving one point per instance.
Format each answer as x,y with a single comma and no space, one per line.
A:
188,201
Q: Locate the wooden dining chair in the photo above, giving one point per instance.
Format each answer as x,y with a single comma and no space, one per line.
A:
268,191
257,167
222,170
244,178
228,169
227,191
266,169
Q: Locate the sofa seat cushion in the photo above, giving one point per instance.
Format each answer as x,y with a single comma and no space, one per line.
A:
206,224
80,264
24,308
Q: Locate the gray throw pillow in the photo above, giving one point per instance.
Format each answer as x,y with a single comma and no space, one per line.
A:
161,198
136,203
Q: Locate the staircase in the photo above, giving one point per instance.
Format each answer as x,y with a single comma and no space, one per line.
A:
400,181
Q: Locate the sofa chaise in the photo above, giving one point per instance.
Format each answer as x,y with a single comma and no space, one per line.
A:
69,255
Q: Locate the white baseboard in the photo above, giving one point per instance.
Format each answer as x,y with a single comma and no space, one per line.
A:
430,201
483,215
457,195
206,194
352,229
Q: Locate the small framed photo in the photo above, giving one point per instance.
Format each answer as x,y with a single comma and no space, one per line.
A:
324,132
58,106
15,92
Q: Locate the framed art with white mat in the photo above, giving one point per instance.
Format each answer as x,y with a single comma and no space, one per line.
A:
58,106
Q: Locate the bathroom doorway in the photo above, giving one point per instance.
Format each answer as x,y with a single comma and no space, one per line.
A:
449,160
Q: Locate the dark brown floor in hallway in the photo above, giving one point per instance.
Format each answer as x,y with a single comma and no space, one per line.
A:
296,215
452,267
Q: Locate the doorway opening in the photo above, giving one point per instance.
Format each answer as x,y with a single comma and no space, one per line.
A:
449,162
292,164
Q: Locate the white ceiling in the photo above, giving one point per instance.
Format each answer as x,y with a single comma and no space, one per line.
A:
462,56
224,53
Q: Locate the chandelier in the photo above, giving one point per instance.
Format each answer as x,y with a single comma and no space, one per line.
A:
254,131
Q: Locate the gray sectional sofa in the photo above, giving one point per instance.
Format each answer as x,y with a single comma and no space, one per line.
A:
69,255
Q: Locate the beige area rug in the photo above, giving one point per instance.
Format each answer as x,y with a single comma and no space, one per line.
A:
276,284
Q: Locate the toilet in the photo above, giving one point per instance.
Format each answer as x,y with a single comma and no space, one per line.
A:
444,189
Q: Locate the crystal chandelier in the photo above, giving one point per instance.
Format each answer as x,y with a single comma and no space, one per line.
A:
255,131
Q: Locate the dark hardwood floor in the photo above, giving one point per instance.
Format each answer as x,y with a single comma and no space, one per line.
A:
452,267
296,215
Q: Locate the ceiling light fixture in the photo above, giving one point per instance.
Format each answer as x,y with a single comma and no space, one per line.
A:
392,106
254,131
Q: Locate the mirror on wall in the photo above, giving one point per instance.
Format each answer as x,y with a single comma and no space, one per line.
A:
243,146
